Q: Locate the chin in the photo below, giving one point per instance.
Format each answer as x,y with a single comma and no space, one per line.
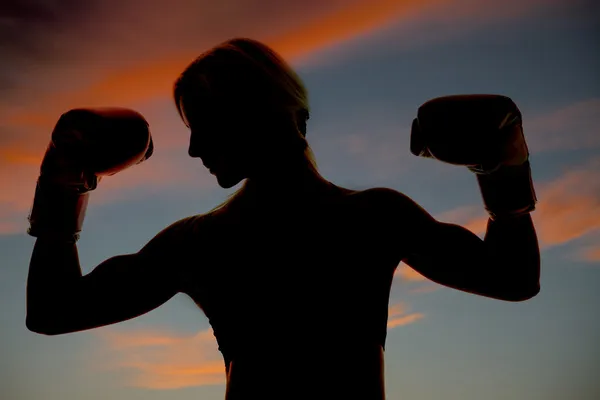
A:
227,181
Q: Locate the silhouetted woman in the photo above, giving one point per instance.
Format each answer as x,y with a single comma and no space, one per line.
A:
292,271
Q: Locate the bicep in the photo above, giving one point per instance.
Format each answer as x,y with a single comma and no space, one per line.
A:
125,286
121,288
445,253
448,254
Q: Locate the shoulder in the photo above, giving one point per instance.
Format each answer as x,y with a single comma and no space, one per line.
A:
382,193
378,197
394,206
177,235
174,250
407,227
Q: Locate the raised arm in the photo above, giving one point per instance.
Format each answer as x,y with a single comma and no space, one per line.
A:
86,144
485,134
61,300
505,265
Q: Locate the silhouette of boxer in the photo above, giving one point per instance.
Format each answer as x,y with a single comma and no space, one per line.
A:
292,271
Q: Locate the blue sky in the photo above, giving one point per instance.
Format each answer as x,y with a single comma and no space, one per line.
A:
367,65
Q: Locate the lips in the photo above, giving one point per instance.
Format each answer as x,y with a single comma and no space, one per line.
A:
211,166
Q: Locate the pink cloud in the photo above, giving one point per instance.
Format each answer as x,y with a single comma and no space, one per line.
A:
398,315
474,218
159,360
589,254
576,126
139,54
427,288
409,274
158,173
146,53
164,360
568,207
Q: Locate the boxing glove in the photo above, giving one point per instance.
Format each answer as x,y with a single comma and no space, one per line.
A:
484,133
86,144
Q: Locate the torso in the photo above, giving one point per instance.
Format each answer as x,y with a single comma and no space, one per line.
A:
298,296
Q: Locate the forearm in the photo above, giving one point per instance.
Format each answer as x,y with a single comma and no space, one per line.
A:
513,243
54,267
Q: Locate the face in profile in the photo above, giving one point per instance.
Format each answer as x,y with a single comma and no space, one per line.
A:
220,137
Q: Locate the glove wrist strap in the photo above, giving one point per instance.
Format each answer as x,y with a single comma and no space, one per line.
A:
508,191
57,212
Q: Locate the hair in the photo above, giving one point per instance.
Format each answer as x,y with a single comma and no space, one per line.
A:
260,79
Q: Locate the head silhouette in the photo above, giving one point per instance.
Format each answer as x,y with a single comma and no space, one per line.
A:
247,111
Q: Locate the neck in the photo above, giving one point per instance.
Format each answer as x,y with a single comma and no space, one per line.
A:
289,179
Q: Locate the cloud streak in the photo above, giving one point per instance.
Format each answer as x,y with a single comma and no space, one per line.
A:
164,360
569,206
89,56
419,283
398,315
573,127
159,360
409,274
134,56
589,254
148,51
568,209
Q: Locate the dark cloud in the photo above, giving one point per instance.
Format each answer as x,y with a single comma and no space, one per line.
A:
34,33
49,47
23,23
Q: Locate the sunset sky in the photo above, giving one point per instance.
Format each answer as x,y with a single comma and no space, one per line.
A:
368,65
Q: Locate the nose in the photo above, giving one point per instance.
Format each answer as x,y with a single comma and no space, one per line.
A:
192,152
195,145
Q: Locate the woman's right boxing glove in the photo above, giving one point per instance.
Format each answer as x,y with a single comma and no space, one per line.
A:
86,144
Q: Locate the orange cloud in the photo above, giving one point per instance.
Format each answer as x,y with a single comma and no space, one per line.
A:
18,157
138,73
16,197
589,254
169,377
13,226
146,63
409,274
162,360
474,218
428,288
152,76
155,76
398,316
158,173
358,18
568,207
548,132
157,360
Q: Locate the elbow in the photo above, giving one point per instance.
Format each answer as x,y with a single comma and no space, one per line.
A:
522,293
35,326
41,327
34,321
